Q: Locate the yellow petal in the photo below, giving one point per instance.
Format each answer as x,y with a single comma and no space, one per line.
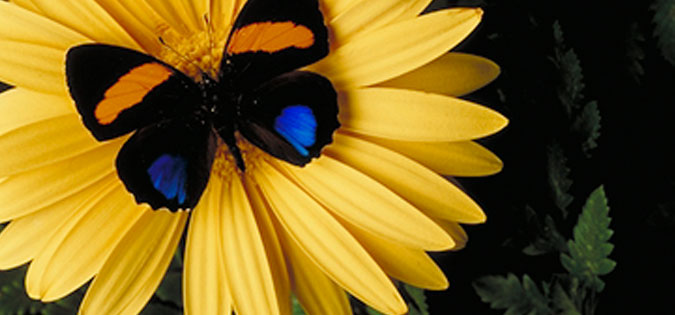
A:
134,269
43,143
21,107
415,116
87,18
327,243
368,204
246,264
24,238
30,191
26,4
409,265
79,208
186,17
222,12
462,158
396,49
370,15
275,254
75,260
204,283
453,74
455,231
426,190
333,8
33,49
138,19
317,293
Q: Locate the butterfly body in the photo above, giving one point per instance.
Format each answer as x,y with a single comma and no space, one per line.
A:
178,122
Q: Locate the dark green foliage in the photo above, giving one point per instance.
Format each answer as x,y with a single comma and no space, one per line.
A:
664,27
588,252
634,52
587,125
566,60
14,301
558,177
509,294
562,303
548,238
418,304
586,262
296,307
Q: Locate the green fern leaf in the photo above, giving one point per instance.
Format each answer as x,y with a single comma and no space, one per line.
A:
508,293
588,252
562,303
13,298
572,85
558,177
419,300
587,125
664,29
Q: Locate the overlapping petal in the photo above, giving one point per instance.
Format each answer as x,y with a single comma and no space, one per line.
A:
327,243
33,49
460,158
426,190
44,186
84,17
415,116
370,15
453,74
21,107
70,263
395,49
205,288
368,204
136,266
248,270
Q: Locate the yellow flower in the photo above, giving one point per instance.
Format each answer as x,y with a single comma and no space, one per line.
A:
366,210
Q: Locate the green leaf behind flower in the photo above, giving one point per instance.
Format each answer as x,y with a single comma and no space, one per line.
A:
664,27
558,177
590,248
587,125
508,293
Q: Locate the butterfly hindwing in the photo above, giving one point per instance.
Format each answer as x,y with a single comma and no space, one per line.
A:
271,37
168,164
117,90
292,117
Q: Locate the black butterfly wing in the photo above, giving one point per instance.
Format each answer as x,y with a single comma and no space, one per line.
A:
271,37
118,90
168,164
292,117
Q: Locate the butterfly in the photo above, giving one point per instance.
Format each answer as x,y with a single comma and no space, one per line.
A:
178,122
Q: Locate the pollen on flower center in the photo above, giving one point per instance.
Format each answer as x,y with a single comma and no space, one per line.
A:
201,51
224,164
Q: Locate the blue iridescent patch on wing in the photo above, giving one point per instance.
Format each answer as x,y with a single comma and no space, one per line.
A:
297,124
168,174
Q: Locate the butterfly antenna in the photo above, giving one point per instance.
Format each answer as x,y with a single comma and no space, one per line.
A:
182,56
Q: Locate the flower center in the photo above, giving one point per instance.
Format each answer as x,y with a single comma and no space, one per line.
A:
194,54
201,53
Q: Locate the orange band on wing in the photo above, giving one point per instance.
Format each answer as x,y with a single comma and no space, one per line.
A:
270,37
130,90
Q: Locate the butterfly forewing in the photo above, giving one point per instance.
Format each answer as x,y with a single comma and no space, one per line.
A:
168,164
272,37
292,117
118,90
